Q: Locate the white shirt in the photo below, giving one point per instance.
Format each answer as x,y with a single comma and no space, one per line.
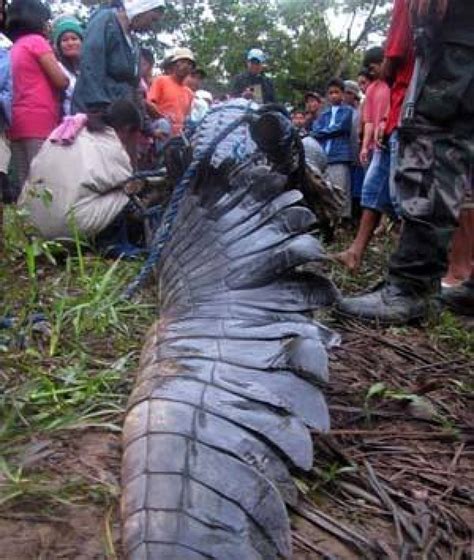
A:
332,122
69,91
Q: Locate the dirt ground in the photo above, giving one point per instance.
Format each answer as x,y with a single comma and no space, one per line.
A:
394,478
397,468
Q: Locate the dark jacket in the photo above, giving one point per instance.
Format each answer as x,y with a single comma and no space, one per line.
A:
335,139
109,67
248,80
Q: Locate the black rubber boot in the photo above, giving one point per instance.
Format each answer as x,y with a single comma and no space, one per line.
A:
391,304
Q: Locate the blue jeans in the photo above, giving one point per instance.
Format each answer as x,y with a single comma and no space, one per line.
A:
376,187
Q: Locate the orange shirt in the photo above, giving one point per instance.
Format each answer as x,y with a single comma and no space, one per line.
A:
172,100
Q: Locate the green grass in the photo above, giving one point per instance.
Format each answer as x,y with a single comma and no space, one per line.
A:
449,330
72,371
16,487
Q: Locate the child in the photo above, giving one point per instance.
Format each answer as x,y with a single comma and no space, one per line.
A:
37,82
333,131
375,199
67,38
298,118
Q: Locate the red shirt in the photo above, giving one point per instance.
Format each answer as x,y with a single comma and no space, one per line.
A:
376,105
172,100
399,46
35,107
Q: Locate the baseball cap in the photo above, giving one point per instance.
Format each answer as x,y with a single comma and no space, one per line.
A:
183,54
352,87
256,54
314,94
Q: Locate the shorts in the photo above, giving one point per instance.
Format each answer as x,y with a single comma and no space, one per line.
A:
357,180
376,187
340,174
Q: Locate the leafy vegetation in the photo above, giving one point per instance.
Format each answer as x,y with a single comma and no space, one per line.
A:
297,35
67,358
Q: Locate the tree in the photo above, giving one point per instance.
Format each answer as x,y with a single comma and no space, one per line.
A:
303,53
375,15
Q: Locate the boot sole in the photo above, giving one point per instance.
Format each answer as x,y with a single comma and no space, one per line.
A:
377,321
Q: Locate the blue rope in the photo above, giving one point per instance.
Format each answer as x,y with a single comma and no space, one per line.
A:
163,233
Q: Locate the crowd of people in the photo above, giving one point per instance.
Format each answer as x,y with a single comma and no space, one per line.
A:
359,131
89,99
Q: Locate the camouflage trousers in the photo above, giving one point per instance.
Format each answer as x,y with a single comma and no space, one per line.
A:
434,171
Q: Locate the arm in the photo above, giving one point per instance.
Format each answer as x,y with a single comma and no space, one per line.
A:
238,85
51,68
389,69
5,86
341,128
153,98
366,141
91,92
399,41
270,91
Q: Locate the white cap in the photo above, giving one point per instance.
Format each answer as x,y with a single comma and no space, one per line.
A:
182,54
256,54
136,7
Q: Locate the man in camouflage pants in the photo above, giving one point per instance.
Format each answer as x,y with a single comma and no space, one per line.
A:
436,153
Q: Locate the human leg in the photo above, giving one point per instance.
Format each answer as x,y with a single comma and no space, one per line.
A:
462,251
23,153
374,200
351,258
114,241
339,174
435,154
459,297
431,176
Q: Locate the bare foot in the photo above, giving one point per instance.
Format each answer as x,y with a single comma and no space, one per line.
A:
451,281
350,259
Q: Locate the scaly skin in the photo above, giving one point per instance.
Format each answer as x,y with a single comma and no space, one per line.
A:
231,376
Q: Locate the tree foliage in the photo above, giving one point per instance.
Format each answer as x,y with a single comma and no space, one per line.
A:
294,34
302,52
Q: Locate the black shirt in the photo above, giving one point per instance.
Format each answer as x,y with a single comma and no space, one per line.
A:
263,86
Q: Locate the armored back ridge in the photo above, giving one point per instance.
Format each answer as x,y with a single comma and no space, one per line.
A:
232,375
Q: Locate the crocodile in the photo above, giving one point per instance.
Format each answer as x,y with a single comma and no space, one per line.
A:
232,375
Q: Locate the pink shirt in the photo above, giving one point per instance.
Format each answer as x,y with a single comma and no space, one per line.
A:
35,107
376,104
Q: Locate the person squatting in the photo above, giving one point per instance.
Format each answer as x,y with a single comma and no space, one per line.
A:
397,141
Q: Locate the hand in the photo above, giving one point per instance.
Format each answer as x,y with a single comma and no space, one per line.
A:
134,186
364,156
152,110
380,134
160,135
248,93
422,9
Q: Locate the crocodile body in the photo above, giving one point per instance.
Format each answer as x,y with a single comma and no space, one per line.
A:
232,376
